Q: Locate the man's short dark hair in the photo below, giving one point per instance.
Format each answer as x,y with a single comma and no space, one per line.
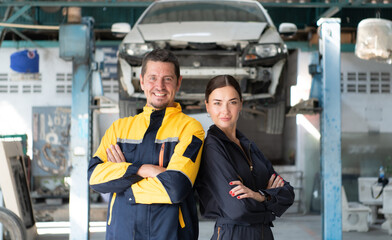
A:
161,55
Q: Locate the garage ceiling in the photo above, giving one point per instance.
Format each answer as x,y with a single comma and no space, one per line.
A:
304,13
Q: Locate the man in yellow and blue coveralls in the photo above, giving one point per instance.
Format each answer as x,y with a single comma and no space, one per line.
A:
149,162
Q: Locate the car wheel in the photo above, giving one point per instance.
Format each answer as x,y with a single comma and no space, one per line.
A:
13,226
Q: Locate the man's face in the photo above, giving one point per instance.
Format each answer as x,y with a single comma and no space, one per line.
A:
160,84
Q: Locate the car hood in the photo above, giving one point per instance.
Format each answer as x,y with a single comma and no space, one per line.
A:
202,32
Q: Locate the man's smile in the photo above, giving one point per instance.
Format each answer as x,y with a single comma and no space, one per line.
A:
160,94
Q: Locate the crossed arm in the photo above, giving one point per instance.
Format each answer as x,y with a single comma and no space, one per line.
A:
156,184
109,171
241,191
219,181
115,155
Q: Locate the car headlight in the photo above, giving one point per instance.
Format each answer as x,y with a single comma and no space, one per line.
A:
260,51
137,49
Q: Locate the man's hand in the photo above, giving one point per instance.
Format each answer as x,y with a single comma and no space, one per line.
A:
115,154
149,170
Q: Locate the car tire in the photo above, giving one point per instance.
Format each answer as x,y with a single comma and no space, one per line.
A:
13,224
275,118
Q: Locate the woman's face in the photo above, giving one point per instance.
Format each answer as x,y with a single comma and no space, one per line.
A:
224,106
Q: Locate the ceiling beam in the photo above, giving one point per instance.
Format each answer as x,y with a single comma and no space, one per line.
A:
12,18
330,12
358,4
25,16
75,4
114,3
18,13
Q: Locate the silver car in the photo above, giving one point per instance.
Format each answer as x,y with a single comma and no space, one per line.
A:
210,38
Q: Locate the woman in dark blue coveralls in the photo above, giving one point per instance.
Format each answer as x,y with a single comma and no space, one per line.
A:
236,184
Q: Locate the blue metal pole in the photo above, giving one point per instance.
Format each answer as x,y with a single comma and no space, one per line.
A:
77,44
331,164
80,131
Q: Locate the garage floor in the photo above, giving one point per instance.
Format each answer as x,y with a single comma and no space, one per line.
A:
290,226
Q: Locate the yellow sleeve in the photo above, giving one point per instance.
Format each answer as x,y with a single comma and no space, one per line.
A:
173,185
106,176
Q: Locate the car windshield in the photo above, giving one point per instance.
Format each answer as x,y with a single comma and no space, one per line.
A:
193,11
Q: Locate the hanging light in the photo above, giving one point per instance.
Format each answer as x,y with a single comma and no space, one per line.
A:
374,40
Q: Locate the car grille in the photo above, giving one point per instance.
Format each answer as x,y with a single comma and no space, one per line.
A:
207,59
193,85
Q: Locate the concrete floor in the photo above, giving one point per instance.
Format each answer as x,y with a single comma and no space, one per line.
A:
290,226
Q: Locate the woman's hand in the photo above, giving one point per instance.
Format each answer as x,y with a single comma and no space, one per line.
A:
241,191
275,182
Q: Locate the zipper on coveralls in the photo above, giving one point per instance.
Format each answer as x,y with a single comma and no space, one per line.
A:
249,159
246,157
